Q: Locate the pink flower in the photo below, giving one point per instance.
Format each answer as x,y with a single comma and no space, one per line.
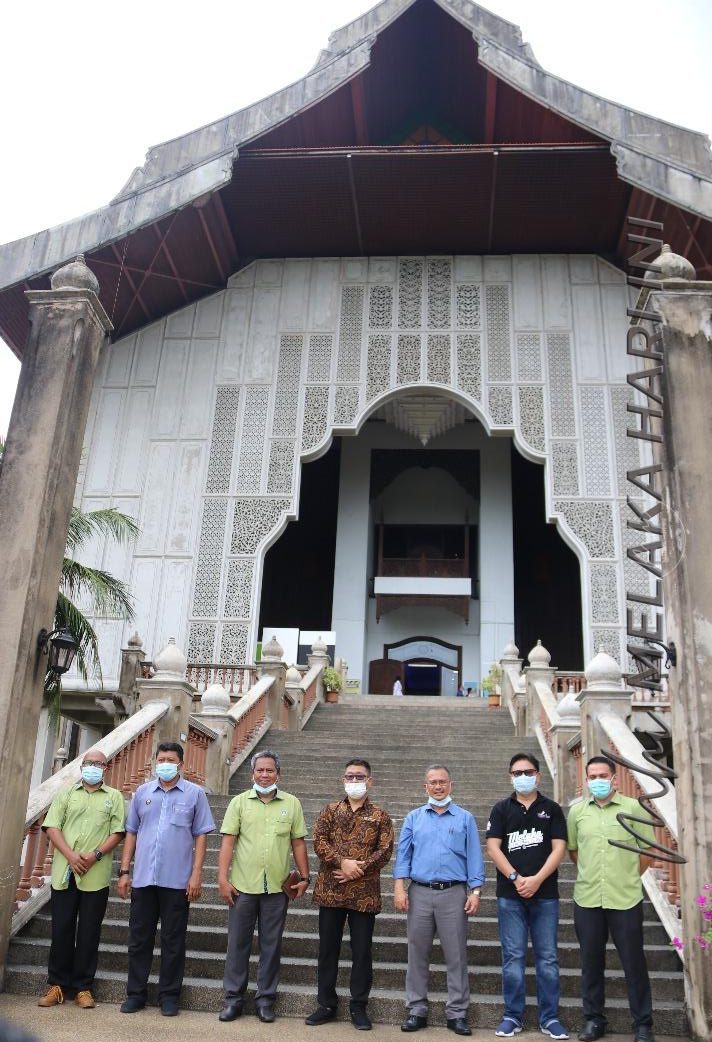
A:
702,943
707,886
701,900
677,943
707,915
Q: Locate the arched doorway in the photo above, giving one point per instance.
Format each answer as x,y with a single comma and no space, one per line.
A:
424,665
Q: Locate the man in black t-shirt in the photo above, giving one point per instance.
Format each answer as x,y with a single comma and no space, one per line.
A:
526,840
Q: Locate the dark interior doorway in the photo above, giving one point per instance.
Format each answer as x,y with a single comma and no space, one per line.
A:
422,678
547,576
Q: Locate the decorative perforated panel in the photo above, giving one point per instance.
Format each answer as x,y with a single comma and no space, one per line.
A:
499,356
408,364
410,293
286,395
378,366
227,404
380,307
238,588
592,523
233,643
627,449
201,642
319,358
610,640
252,439
531,417
439,292
281,466
255,520
348,365
604,592
564,464
206,591
594,426
468,307
315,424
529,356
346,401
500,406
469,364
561,393
439,351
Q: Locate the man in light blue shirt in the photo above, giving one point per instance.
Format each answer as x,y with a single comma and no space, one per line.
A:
167,827
439,852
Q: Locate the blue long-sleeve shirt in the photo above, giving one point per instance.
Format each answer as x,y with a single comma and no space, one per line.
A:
441,848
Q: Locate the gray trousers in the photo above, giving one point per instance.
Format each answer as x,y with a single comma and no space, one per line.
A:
268,912
444,911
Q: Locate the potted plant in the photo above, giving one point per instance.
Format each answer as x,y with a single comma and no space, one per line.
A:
491,685
331,679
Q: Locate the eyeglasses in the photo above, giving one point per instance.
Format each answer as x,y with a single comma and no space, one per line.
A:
355,777
437,784
530,772
94,763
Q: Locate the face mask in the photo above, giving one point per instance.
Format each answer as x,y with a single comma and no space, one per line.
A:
264,790
166,771
355,789
524,785
600,788
92,775
439,803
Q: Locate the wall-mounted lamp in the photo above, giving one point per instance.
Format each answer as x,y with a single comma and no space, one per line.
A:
60,646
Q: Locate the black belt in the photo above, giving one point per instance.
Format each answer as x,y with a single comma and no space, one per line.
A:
436,885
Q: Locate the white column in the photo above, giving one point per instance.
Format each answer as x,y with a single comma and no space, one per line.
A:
351,568
496,551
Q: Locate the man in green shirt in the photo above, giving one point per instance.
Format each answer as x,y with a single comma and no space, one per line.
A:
608,898
84,824
261,829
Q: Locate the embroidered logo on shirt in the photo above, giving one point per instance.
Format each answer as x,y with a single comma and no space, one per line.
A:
543,814
147,802
527,838
284,813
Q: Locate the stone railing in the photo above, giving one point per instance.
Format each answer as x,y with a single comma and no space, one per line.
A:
236,679
129,748
251,720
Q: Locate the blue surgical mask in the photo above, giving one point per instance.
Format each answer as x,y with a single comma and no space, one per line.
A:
600,788
264,790
439,803
524,785
92,775
166,771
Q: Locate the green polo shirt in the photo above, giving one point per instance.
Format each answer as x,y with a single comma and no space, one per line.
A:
85,819
262,855
607,877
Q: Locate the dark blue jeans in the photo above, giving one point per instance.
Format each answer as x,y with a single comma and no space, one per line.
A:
518,918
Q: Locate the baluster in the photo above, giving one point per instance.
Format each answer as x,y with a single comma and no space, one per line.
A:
38,872
24,885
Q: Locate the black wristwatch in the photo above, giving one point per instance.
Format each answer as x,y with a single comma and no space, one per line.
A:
512,876
124,872
98,854
305,879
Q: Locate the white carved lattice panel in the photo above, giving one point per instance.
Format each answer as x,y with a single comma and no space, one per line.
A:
531,417
439,292
469,364
637,579
627,449
321,347
348,363
561,393
346,404
468,307
529,357
594,427
227,404
316,414
564,464
286,395
592,523
499,356
500,406
380,307
604,592
281,467
410,293
610,640
238,588
408,361
439,352
233,643
207,574
378,366
252,439
255,519
201,642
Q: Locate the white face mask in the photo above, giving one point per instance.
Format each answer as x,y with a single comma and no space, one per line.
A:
264,790
439,803
355,789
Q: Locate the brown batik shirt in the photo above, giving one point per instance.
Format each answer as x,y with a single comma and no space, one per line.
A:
365,834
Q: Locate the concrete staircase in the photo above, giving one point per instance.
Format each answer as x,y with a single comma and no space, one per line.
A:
400,737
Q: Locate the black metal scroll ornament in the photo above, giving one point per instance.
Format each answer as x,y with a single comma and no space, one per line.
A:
661,773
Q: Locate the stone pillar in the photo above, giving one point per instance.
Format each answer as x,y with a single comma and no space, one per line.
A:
509,661
604,693
272,666
686,313
539,669
68,326
295,698
169,685
214,711
319,656
566,728
131,670
350,599
496,557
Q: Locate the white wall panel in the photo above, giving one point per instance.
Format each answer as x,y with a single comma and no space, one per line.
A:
133,445
233,334
295,296
173,609
582,268
156,498
468,269
186,499
615,326
527,292
109,633
324,296
261,358
555,287
497,269
589,351
208,315
196,412
118,557
148,355
169,390
100,467
119,358
180,323
145,588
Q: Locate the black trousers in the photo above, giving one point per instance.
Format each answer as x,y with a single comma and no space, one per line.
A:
77,916
593,926
148,905
331,932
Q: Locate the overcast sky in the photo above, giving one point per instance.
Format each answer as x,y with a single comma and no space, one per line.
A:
88,87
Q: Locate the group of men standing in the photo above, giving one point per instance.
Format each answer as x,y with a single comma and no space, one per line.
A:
438,876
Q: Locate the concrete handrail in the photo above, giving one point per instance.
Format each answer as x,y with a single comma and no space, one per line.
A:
256,692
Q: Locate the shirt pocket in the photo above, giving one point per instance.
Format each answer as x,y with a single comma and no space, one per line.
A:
282,827
182,816
457,841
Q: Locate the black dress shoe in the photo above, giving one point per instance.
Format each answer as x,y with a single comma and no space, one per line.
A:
132,1004
321,1015
459,1025
414,1023
169,1007
231,1010
591,1030
360,1019
266,1014
644,1033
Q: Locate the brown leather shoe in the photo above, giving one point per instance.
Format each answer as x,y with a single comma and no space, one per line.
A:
53,996
85,1000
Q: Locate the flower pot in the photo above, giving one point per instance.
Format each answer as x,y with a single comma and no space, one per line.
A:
493,700
331,696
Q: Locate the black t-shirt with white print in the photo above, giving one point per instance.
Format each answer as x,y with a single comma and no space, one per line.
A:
526,834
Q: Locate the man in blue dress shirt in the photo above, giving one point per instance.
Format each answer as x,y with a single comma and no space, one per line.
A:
167,826
439,852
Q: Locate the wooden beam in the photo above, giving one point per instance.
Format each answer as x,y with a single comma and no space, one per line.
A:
490,108
358,104
132,284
